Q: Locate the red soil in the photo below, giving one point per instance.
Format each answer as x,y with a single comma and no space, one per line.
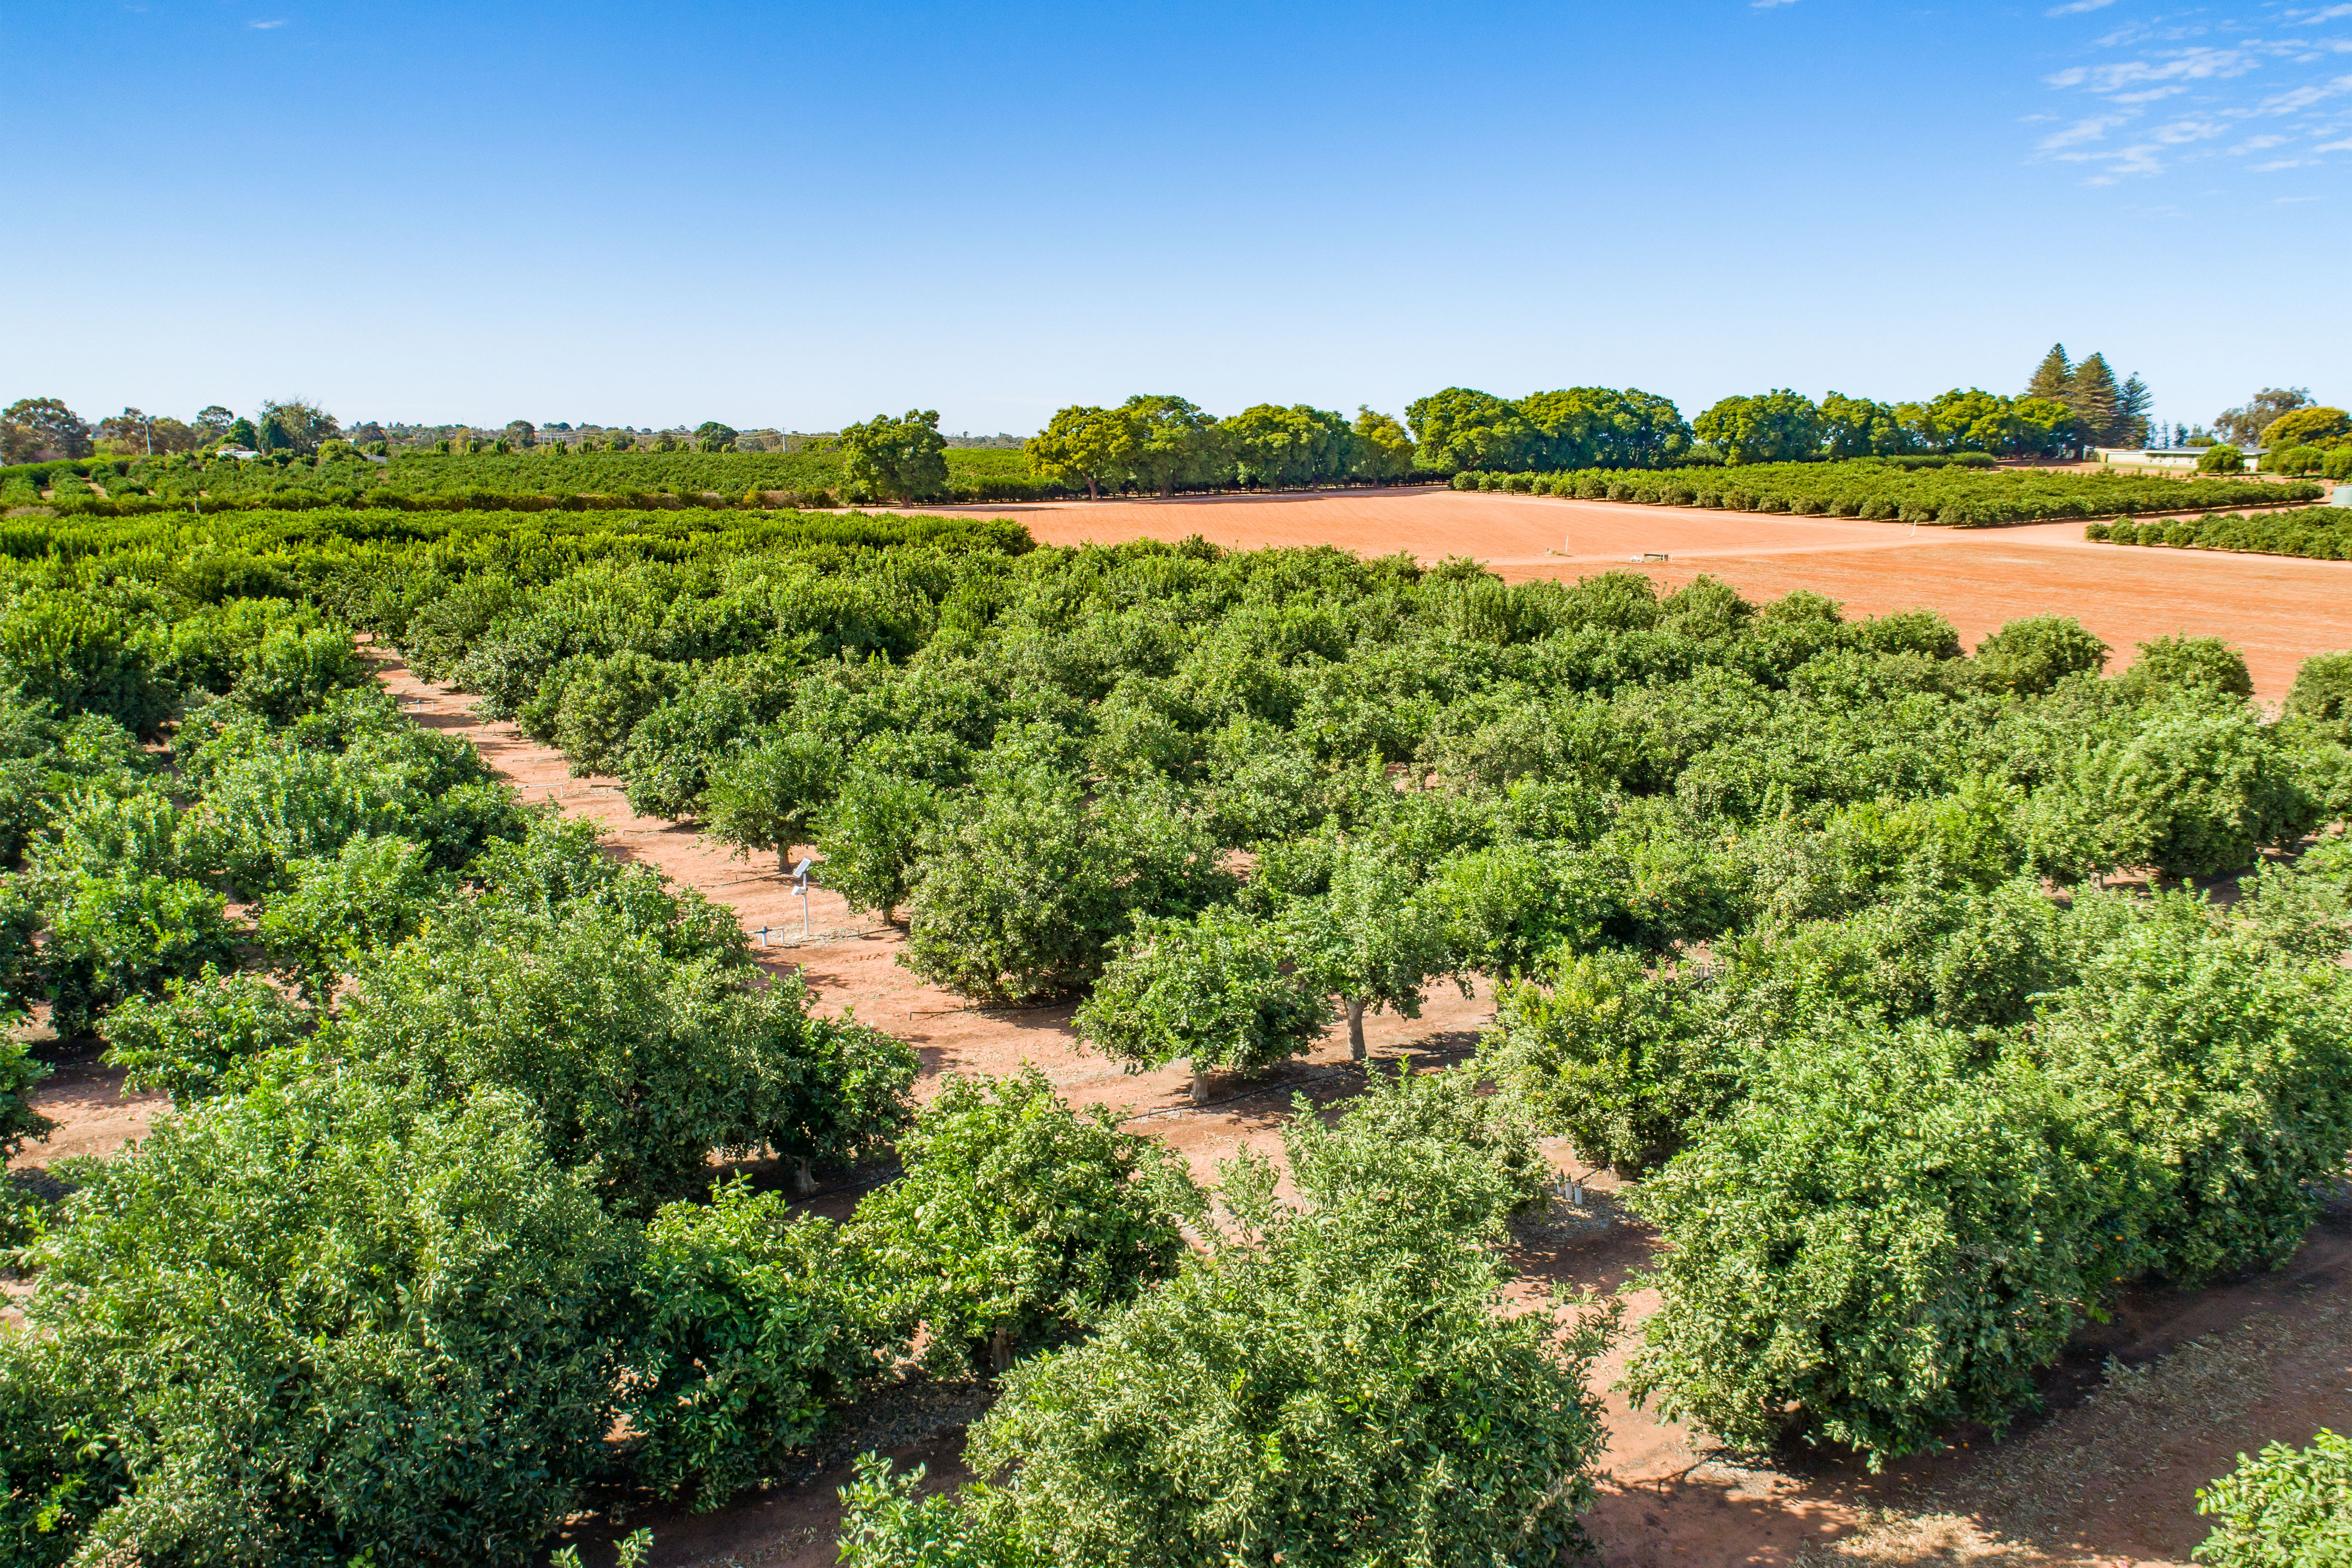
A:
2279,610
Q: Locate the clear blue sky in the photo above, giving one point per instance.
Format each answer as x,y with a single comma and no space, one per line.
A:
798,215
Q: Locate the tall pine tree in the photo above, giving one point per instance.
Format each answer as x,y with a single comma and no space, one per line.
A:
2054,377
2132,404
2093,396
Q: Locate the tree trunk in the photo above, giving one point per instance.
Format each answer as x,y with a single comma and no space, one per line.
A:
803,1177
1200,1083
1091,494
1355,1030
784,857
1000,1351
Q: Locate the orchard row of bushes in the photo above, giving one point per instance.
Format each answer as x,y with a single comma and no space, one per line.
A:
1736,868
341,476
432,1214
1047,781
2320,532
1949,496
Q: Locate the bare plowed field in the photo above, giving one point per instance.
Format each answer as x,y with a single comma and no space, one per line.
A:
2279,610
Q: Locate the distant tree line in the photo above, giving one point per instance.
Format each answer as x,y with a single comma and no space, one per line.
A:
1160,443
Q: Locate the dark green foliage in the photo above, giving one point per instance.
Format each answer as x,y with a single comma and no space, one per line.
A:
20,920
750,1339
872,836
588,707
1610,1056
2285,1508
316,1321
353,768
765,797
2319,532
1370,937
1028,890
112,937
2191,665
19,1072
2322,695
1217,989
86,652
560,869
332,912
1883,1239
1334,1378
291,673
1951,492
2191,790
673,749
1018,1222
637,1064
895,460
1430,1139
194,1042
2030,657
2224,1070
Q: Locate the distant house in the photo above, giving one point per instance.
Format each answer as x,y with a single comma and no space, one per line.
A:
237,452
2167,457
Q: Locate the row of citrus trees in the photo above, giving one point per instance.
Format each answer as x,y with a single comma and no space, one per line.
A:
1949,496
1047,776
432,1214
339,475
2320,532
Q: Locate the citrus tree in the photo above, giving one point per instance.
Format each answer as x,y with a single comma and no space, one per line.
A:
1018,1221
1218,990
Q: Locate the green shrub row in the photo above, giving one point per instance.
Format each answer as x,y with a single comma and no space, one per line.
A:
2319,532
1950,496
486,481
1731,858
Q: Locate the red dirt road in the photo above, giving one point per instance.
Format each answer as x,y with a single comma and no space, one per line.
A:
2278,609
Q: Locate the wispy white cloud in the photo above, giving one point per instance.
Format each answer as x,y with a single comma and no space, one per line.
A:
1767,5
2198,64
2304,97
2076,7
2092,130
2213,73
265,27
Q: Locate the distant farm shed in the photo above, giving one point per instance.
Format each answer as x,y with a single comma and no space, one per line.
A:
2167,457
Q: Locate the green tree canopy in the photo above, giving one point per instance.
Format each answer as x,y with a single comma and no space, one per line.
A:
1090,445
318,1320
1218,990
1175,442
897,459
1384,450
2316,427
1018,1221
1780,427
